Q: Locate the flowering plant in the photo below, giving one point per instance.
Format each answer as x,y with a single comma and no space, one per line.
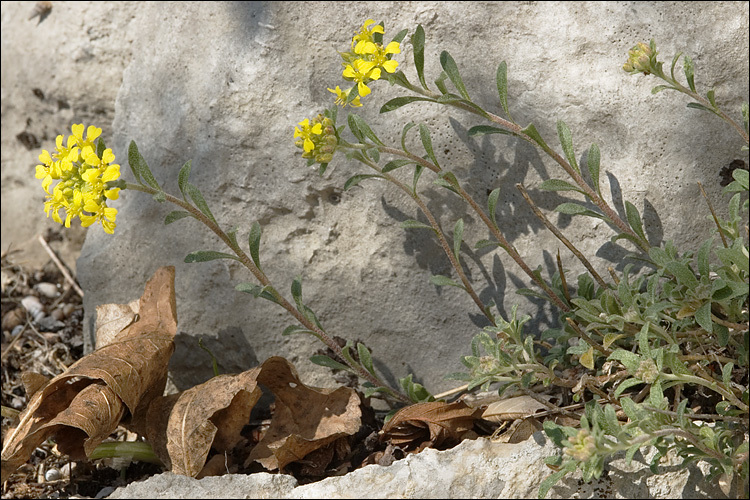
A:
656,356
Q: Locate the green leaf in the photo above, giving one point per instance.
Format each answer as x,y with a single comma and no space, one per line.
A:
532,132
674,63
450,68
424,134
659,88
182,178
206,255
398,78
440,280
492,203
486,130
402,101
689,68
329,363
558,185
139,167
702,258
593,159
297,291
627,384
703,317
631,360
417,41
417,172
374,154
414,224
550,480
176,215
458,231
363,127
566,140
356,179
683,274
634,219
365,358
406,128
197,198
160,196
254,243
726,374
258,291
399,36
295,329
502,86
696,105
440,82
576,209
711,98
394,164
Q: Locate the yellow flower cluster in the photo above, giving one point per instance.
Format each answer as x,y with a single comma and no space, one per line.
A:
363,64
318,141
83,175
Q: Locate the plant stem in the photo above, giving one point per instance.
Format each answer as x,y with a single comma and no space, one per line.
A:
263,279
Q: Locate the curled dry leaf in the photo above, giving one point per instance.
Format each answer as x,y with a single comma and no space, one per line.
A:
513,408
83,405
429,425
183,427
306,418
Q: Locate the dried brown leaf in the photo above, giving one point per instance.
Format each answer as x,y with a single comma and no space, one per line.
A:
111,319
84,404
182,428
32,382
306,418
513,408
432,424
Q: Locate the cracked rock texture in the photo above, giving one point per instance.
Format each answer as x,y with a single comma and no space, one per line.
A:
224,83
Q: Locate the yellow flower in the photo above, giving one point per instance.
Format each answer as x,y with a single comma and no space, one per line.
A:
362,72
343,95
318,141
82,190
380,56
365,34
306,133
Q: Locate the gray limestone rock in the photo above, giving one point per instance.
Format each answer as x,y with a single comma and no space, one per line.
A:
473,469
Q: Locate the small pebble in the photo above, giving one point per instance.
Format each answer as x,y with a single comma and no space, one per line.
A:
52,475
49,290
105,492
34,306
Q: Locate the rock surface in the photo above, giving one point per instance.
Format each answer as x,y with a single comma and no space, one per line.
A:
474,469
223,84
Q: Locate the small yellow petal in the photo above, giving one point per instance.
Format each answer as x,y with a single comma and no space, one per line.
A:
77,130
92,133
363,89
390,66
308,146
45,157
